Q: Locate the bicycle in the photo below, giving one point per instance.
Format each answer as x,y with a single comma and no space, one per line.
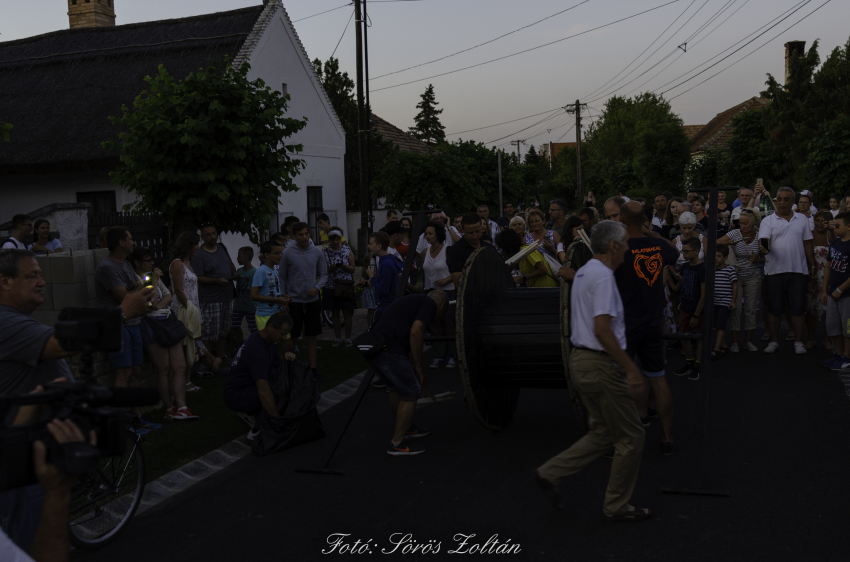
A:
105,500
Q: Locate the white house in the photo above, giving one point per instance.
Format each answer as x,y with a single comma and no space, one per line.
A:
58,89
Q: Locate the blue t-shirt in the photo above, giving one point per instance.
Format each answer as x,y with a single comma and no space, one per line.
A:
244,282
692,278
269,283
254,361
839,255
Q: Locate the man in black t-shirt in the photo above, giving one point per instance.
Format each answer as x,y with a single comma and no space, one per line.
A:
459,252
403,327
640,279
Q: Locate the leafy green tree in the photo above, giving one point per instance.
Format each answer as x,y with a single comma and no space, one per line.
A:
706,170
428,128
531,157
4,131
747,152
340,89
637,144
828,162
208,148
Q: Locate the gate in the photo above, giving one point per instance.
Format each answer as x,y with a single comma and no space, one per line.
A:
147,230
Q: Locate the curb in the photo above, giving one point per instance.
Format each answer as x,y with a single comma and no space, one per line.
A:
191,473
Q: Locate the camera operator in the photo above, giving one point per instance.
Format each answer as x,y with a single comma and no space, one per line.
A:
30,355
51,538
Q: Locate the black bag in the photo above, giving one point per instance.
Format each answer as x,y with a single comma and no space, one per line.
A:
167,331
296,397
370,343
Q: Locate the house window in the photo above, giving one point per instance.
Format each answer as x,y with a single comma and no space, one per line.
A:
284,90
314,209
101,201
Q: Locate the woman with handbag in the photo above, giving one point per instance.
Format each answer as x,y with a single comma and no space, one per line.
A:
158,328
338,294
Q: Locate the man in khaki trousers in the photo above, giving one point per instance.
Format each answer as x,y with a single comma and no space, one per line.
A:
606,379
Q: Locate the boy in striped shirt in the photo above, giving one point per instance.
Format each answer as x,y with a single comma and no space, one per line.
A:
725,291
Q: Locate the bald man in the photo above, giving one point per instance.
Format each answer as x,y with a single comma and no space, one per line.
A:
641,279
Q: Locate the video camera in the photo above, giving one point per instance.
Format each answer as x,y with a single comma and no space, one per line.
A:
89,405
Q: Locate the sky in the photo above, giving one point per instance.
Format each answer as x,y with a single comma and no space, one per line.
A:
632,56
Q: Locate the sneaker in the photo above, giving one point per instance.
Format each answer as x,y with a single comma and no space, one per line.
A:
169,413
436,363
140,431
734,348
184,413
451,364
772,347
336,342
414,432
645,421
828,363
379,383
349,343
684,370
799,348
841,364
147,424
751,346
252,434
402,449
694,376
249,420
668,448
650,413
549,489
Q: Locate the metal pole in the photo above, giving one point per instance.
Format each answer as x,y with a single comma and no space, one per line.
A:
579,189
501,206
365,202
368,115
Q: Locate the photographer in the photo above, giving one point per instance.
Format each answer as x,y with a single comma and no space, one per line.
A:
51,538
30,355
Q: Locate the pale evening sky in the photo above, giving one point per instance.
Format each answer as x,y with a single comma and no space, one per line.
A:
405,33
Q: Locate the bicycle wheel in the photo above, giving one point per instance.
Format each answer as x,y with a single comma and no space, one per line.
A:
104,501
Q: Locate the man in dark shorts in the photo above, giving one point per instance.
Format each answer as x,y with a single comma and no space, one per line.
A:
303,272
640,280
403,327
247,389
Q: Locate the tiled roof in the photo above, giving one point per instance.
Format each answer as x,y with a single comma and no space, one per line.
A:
692,130
717,132
402,140
557,146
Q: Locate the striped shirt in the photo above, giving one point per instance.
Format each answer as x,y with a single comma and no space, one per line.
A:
723,279
742,252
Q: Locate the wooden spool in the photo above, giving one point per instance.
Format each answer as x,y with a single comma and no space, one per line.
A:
507,338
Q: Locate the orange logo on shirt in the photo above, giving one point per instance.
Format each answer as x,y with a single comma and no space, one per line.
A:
648,267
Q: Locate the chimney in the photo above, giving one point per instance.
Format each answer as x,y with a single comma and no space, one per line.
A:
91,13
793,46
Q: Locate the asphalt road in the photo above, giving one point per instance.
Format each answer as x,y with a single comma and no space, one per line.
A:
778,440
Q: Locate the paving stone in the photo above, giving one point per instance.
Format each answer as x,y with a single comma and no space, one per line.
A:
197,469
217,459
175,480
235,448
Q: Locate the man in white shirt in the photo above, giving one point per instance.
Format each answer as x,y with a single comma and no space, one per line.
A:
484,213
606,379
21,227
789,259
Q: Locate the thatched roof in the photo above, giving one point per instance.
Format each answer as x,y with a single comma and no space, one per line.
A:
58,89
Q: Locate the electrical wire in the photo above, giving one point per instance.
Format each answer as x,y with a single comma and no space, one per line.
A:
325,12
748,54
528,50
482,44
343,34
552,116
506,122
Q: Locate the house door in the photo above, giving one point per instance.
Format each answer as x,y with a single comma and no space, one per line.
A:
314,209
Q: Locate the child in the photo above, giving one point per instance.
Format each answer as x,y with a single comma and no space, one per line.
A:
836,289
265,287
725,292
691,284
243,306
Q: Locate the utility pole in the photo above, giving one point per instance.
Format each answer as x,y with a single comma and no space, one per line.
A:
501,206
517,143
368,114
577,111
365,200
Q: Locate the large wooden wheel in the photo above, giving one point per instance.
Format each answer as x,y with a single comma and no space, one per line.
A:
566,352
490,401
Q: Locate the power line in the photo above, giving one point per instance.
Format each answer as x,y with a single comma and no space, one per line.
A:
325,12
552,116
748,54
481,44
343,34
528,50
506,122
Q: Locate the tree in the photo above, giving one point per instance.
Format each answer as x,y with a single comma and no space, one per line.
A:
828,162
747,151
428,128
4,131
706,170
637,145
209,148
340,90
531,157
